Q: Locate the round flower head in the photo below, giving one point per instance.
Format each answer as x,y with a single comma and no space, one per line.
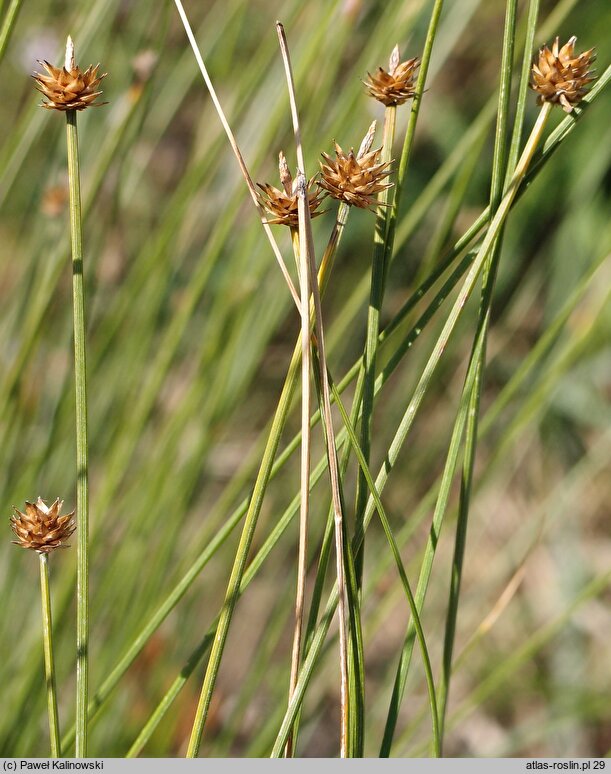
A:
282,205
355,178
68,87
395,86
42,528
561,77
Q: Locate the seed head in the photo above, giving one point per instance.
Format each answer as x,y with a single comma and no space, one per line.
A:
41,528
395,86
283,205
355,179
68,87
559,76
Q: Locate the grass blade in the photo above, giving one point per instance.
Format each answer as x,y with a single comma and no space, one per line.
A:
47,636
82,456
306,243
8,24
482,257
499,171
234,146
376,295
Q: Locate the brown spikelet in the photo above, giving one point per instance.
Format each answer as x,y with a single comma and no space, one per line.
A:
42,528
68,87
561,77
395,86
355,179
283,205
367,140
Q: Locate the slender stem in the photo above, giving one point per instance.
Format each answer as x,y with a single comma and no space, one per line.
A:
250,521
365,390
327,259
342,215
378,274
47,640
411,125
304,289
356,662
234,146
500,170
399,563
306,248
82,464
518,124
335,492
8,25
237,572
248,575
468,286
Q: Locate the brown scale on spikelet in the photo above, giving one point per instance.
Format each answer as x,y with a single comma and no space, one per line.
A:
68,87
397,85
355,179
559,76
42,528
283,205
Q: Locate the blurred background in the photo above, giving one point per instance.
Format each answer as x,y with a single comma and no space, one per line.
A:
190,331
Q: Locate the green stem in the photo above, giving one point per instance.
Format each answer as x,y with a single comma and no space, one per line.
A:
376,295
411,126
248,530
254,508
360,537
486,247
8,24
47,641
356,667
82,464
500,171
304,289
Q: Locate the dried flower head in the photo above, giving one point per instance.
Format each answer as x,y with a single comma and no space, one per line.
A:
355,179
397,85
41,528
559,76
283,205
68,87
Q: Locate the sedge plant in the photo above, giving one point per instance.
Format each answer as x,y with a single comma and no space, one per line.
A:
69,90
198,377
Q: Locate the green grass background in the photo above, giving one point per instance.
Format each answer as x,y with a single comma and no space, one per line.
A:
190,331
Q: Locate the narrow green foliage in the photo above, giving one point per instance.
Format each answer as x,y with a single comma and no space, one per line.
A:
483,254
411,127
399,563
233,587
356,661
499,171
376,296
194,437
47,638
82,457
8,24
